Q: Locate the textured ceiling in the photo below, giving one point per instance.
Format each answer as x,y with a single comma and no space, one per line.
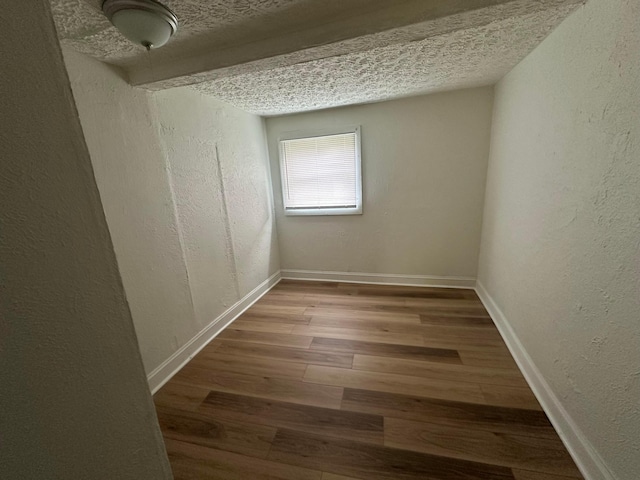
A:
82,25
273,57
460,59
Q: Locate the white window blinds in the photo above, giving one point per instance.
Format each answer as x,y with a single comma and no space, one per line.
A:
321,172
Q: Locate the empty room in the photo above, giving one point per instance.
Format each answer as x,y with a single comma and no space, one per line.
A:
320,240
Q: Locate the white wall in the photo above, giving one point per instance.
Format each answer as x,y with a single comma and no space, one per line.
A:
424,163
120,128
560,245
74,401
192,227
219,172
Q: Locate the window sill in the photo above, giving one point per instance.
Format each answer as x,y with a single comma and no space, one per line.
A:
323,211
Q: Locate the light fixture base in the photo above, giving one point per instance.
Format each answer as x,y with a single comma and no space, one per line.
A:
114,10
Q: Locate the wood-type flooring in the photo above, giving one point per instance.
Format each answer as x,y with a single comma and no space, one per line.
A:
335,381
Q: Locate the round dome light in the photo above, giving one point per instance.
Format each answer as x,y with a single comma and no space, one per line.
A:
144,22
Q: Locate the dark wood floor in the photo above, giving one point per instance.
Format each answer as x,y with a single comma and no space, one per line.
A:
331,381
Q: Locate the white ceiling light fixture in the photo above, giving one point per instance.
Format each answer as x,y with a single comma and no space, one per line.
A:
144,22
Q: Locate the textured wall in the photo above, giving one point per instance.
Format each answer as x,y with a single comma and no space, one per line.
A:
192,226
220,176
424,162
560,245
74,401
130,169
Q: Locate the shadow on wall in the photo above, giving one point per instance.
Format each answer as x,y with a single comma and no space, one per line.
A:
188,225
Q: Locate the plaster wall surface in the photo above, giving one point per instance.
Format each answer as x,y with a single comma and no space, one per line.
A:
121,131
184,181
74,401
219,171
560,248
424,163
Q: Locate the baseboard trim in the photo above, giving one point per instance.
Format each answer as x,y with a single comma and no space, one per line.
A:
380,278
162,374
587,459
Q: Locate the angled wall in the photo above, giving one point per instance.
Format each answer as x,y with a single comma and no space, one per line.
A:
74,401
218,170
121,131
560,253
184,181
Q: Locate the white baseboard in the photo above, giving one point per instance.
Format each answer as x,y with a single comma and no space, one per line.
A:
381,278
587,459
162,374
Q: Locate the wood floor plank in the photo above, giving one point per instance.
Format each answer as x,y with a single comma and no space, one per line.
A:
288,299
195,462
463,333
329,422
456,321
185,397
369,325
469,338
419,304
274,388
427,308
528,475
471,294
287,354
516,397
284,340
411,292
546,455
439,371
363,335
396,305
386,350
487,358
449,413
341,313
246,438
278,309
333,301
272,327
345,457
401,384
221,362
250,316
489,347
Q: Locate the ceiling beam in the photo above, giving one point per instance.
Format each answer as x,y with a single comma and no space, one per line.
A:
275,42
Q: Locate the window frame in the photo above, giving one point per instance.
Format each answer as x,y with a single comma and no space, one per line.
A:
322,132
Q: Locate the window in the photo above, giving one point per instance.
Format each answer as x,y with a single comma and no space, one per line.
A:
321,172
